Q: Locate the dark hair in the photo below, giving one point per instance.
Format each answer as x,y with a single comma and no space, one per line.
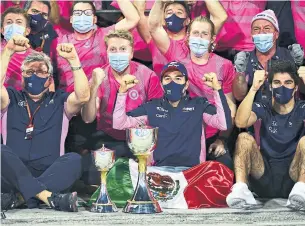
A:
29,3
186,7
84,1
15,10
283,66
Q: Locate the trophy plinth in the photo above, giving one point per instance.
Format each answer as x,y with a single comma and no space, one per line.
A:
104,160
142,141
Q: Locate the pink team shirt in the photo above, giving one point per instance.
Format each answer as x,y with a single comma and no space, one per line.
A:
149,87
298,12
225,74
141,50
6,4
91,52
149,4
199,9
236,31
13,76
64,26
178,51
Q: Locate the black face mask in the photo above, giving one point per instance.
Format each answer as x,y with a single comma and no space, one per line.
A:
38,23
174,23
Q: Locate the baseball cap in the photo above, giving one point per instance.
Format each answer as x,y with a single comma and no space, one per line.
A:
174,65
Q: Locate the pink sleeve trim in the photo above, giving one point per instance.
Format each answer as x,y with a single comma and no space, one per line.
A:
218,120
120,120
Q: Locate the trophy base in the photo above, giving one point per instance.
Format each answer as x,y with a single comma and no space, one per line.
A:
142,207
103,208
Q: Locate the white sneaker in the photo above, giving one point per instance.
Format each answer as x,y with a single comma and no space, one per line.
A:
296,199
241,197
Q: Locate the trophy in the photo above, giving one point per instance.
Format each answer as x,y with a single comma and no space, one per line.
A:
104,160
142,142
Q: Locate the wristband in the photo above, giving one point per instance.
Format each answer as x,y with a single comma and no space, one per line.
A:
76,68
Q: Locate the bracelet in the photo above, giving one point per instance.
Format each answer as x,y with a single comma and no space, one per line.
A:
76,68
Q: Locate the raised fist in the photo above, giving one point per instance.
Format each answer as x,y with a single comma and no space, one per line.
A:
259,79
67,51
241,61
301,73
17,43
98,76
210,79
127,82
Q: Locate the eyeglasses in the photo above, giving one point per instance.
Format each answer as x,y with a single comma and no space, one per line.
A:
39,73
87,12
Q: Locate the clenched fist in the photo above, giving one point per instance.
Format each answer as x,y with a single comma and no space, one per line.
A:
127,82
301,73
67,51
211,80
17,43
98,76
259,79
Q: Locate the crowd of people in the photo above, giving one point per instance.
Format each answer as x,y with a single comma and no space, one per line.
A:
222,80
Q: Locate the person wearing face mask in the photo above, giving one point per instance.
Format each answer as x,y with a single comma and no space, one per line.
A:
265,32
34,166
276,167
159,31
43,36
179,119
104,88
14,22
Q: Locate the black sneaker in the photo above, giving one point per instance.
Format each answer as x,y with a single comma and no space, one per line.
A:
8,201
64,202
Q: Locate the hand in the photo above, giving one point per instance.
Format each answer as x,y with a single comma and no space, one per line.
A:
218,148
297,53
210,79
17,43
259,79
98,76
191,2
241,61
301,73
67,51
127,82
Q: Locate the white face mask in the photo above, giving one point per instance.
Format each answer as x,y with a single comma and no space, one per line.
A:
11,30
198,46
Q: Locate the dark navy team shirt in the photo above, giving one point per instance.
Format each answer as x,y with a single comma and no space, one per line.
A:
280,134
264,94
50,127
180,128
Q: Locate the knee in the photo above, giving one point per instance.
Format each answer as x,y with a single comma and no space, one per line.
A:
245,138
302,144
75,161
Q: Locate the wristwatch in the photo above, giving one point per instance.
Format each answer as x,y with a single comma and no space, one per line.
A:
76,68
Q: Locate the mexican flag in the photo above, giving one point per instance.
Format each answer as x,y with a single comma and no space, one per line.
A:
203,186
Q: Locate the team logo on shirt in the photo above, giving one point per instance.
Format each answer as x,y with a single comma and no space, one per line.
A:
133,94
273,127
87,44
188,109
21,103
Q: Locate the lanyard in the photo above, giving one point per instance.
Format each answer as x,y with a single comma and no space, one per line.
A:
31,117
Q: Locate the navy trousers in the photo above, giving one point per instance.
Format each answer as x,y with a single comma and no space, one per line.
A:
18,177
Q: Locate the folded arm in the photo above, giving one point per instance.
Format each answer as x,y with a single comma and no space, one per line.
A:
218,14
143,23
120,119
5,59
131,16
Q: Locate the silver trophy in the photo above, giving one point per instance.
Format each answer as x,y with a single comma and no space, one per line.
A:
142,142
104,160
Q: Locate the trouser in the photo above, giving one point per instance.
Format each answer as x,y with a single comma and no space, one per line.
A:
225,159
16,176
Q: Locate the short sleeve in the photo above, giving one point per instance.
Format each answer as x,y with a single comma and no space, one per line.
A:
229,77
259,109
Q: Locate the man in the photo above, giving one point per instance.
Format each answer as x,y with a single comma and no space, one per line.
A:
14,21
88,38
276,168
34,126
179,119
265,32
159,31
119,46
43,36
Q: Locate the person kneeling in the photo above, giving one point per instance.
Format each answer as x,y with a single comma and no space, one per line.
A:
180,145
276,169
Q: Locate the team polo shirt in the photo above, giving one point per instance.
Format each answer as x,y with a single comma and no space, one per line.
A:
180,128
253,64
298,13
280,134
50,127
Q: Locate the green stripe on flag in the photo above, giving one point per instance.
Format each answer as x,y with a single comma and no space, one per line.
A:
119,183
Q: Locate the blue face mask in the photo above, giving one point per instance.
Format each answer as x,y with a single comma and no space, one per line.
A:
38,23
282,95
11,30
198,46
34,85
83,23
174,23
118,61
173,91
263,42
